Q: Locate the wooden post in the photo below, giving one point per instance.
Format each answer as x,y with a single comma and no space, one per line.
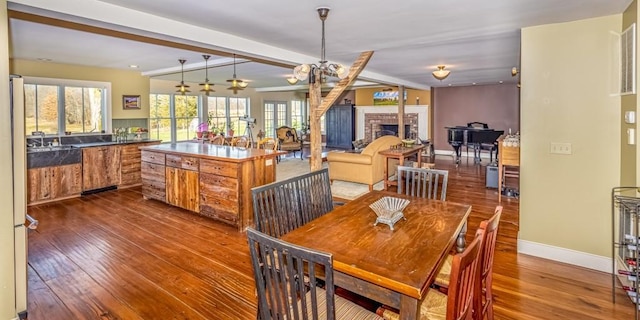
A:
315,147
401,132
317,108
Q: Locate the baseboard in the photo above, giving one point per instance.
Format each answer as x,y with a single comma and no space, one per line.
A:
577,258
463,154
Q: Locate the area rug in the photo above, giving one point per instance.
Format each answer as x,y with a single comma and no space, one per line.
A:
290,167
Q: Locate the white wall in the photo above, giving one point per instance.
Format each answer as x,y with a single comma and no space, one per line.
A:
566,96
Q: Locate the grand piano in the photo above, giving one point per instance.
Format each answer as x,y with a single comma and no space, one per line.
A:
477,136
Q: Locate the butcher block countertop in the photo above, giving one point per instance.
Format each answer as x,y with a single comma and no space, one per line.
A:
211,151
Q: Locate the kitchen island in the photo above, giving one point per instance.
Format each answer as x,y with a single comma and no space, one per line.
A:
212,180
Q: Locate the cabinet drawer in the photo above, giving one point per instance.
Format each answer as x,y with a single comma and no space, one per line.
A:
153,157
183,162
213,186
152,171
154,190
221,168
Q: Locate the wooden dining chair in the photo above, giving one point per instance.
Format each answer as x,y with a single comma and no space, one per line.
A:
282,206
218,140
483,298
242,142
423,182
287,285
457,304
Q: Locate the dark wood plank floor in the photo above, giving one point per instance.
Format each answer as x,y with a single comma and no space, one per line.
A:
114,255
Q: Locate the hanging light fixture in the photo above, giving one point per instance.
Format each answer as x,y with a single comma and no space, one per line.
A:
302,71
441,73
182,88
206,86
236,84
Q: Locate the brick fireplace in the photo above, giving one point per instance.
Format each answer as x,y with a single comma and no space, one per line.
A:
371,119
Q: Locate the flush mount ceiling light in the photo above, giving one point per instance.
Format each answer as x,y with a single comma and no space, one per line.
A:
441,73
236,84
206,86
302,71
182,88
514,71
292,80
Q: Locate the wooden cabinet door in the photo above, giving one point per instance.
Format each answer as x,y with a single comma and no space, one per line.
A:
38,184
100,167
183,188
66,180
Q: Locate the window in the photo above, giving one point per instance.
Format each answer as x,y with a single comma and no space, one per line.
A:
54,106
173,117
224,113
275,116
160,117
297,117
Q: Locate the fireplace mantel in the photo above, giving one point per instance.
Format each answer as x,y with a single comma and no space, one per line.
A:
421,110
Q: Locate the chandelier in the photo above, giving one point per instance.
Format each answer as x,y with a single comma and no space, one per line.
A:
236,84
206,86
182,88
441,73
302,71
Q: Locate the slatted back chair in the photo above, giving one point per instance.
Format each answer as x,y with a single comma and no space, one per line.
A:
287,283
217,139
423,182
282,206
242,142
483,296
463,279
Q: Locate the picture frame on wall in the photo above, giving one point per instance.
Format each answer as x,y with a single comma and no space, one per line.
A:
131,102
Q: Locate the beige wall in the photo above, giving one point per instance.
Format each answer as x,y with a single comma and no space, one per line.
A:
7,279
122,82
567,71
628,153
364,96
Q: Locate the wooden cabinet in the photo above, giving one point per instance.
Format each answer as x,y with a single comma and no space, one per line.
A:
182,182
153,173
219,190
340,126
100,167
131,164
52,183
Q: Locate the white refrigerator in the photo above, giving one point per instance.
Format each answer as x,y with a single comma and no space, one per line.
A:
19,168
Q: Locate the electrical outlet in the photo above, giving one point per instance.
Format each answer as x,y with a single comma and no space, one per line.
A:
560,148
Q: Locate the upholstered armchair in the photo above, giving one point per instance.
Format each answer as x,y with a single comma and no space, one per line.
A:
366,167
288,140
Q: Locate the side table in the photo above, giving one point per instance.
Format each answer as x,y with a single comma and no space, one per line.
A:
400,153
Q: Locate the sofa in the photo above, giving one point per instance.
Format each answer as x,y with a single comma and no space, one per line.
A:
365,167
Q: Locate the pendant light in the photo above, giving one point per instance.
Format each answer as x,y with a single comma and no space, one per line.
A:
182,88
236,84
304,71
206,86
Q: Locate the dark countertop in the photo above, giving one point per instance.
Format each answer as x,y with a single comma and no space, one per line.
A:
109,143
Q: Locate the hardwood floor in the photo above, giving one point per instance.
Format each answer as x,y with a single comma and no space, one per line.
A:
114,255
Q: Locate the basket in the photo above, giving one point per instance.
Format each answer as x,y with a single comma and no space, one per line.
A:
389,210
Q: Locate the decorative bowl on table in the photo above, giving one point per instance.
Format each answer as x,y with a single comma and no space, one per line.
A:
408,142
389,210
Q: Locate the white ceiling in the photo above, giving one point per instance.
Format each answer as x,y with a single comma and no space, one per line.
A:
477,40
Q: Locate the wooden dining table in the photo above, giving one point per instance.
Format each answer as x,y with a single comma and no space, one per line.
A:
394,267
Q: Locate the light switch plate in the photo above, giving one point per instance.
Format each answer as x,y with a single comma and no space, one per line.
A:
560,148
630,117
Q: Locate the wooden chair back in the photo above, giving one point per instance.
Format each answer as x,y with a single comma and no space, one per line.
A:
282,206
242,142
423,182
217,139
463,279
285,276
268,144
483,296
